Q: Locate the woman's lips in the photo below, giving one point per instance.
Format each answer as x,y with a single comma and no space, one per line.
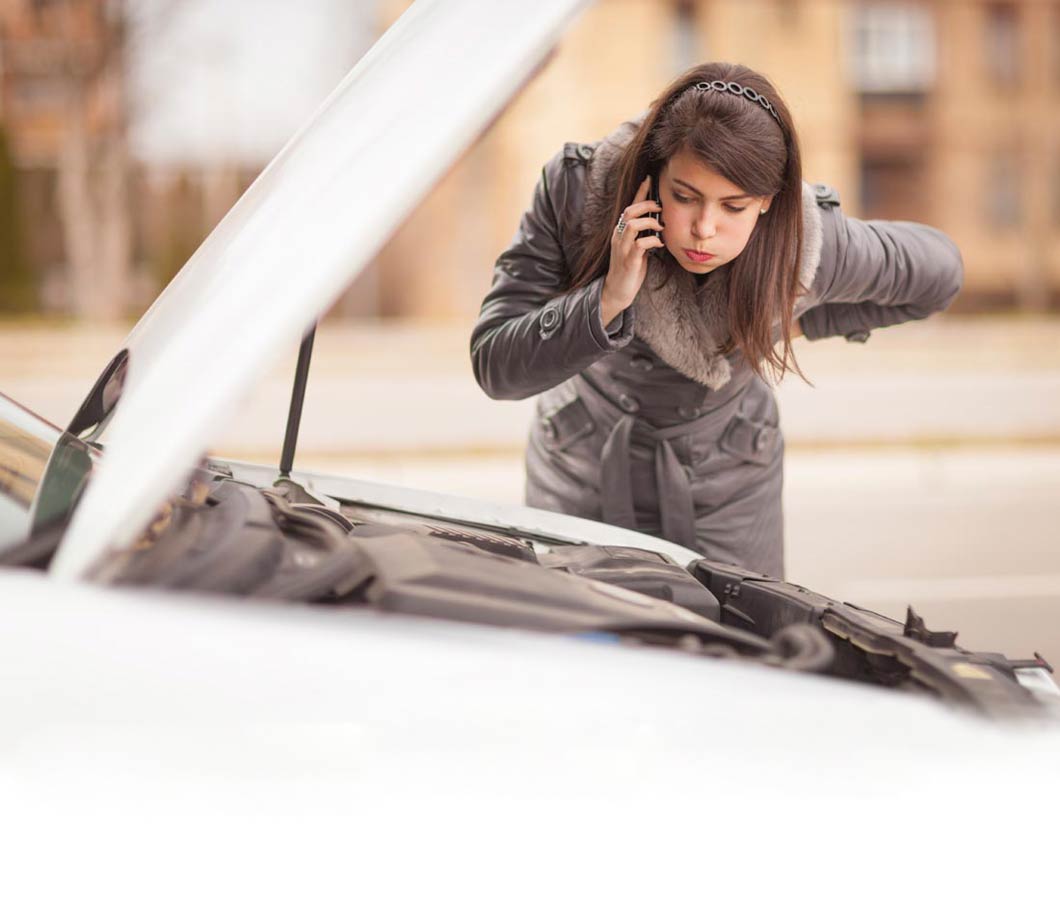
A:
697,257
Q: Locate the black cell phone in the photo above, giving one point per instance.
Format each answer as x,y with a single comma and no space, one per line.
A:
653,194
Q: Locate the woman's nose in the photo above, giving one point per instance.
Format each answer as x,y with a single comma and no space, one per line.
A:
705,225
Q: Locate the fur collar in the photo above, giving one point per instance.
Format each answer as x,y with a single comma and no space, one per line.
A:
686,323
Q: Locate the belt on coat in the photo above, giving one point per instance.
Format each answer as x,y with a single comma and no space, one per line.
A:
677,516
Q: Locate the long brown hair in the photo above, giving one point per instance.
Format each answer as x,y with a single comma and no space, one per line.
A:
740,140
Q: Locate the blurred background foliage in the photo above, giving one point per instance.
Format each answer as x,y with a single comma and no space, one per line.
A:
130,127
18,284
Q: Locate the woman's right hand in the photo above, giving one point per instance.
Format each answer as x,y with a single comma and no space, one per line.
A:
629,254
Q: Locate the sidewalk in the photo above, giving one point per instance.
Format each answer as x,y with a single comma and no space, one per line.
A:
407,388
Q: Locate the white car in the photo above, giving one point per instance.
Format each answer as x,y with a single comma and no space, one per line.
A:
458,669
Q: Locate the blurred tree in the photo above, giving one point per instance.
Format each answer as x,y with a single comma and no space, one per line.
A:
66,103
18,290
94,164
183,230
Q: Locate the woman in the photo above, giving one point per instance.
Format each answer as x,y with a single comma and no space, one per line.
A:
657,279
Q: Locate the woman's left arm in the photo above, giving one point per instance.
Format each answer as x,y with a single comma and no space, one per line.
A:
878,273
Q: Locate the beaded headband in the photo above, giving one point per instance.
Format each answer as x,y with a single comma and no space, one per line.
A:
740,91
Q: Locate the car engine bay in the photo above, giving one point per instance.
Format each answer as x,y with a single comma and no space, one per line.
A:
228,536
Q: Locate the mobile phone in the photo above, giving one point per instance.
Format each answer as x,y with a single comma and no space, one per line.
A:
653,194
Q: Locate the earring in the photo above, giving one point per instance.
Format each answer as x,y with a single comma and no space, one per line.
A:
762,212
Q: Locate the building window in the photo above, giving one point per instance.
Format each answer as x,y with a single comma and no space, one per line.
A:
1004,206
1002,44
34,94
893,187
788,11
685,39
892,48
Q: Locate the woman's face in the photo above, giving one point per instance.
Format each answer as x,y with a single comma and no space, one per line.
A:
708,220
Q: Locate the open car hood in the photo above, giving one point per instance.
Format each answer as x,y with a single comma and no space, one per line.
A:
314,218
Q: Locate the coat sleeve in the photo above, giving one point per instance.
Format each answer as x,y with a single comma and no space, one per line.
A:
533,332
878,273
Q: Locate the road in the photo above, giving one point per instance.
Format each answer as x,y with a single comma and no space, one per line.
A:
386,387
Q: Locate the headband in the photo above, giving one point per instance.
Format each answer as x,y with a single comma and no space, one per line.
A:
740,91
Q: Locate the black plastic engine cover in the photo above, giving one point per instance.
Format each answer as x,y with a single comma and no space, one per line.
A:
869,646
642,571
423,575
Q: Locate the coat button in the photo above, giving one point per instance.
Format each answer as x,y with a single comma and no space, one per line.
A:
550,318
628,403
688,413
764,439
585,152
642,363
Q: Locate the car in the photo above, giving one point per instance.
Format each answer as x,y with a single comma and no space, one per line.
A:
252,531
472,649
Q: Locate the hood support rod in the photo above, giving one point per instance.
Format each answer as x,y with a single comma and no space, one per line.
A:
294,415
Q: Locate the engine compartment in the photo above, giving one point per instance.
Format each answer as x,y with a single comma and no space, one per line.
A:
231,536
282,542
276,543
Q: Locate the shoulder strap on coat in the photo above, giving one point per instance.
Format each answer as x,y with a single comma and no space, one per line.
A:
825,195
578,153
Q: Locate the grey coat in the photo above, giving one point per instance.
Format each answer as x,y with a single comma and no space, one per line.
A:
645,424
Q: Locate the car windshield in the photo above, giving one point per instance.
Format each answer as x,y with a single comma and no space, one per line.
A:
42,470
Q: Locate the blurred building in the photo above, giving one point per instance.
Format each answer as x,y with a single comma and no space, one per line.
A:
957,123
940,111
134,125
943,111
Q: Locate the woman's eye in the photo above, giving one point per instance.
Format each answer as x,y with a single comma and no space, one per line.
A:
733,209
681,199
